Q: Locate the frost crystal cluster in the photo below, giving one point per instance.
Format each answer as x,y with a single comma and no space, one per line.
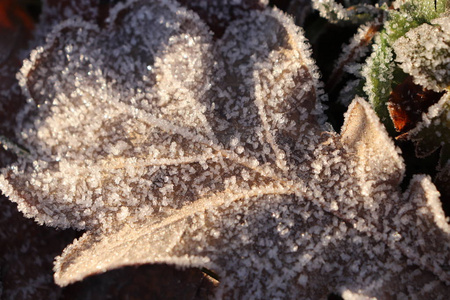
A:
172,145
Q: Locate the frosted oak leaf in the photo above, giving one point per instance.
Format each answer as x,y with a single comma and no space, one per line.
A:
168,146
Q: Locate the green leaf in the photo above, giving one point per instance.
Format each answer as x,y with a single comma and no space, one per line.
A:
379,76
424,53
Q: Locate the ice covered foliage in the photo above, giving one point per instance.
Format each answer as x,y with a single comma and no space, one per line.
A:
424,53
382,72
349,11
407,75
169,145
346,72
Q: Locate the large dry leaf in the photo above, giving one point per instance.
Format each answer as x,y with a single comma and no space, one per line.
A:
170,146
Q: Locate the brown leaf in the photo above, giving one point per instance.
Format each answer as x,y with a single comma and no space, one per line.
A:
173,147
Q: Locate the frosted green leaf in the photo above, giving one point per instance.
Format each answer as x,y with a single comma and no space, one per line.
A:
421,42
378,73
169,145
381,71
424,53
409,14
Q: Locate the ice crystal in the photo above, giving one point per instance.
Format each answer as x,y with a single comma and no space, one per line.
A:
171,145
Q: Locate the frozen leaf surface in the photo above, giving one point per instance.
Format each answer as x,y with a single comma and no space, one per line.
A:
171,146
424,53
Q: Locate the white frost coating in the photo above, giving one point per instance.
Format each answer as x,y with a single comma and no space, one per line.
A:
172,147
88,107
424,53
358,44
335,12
